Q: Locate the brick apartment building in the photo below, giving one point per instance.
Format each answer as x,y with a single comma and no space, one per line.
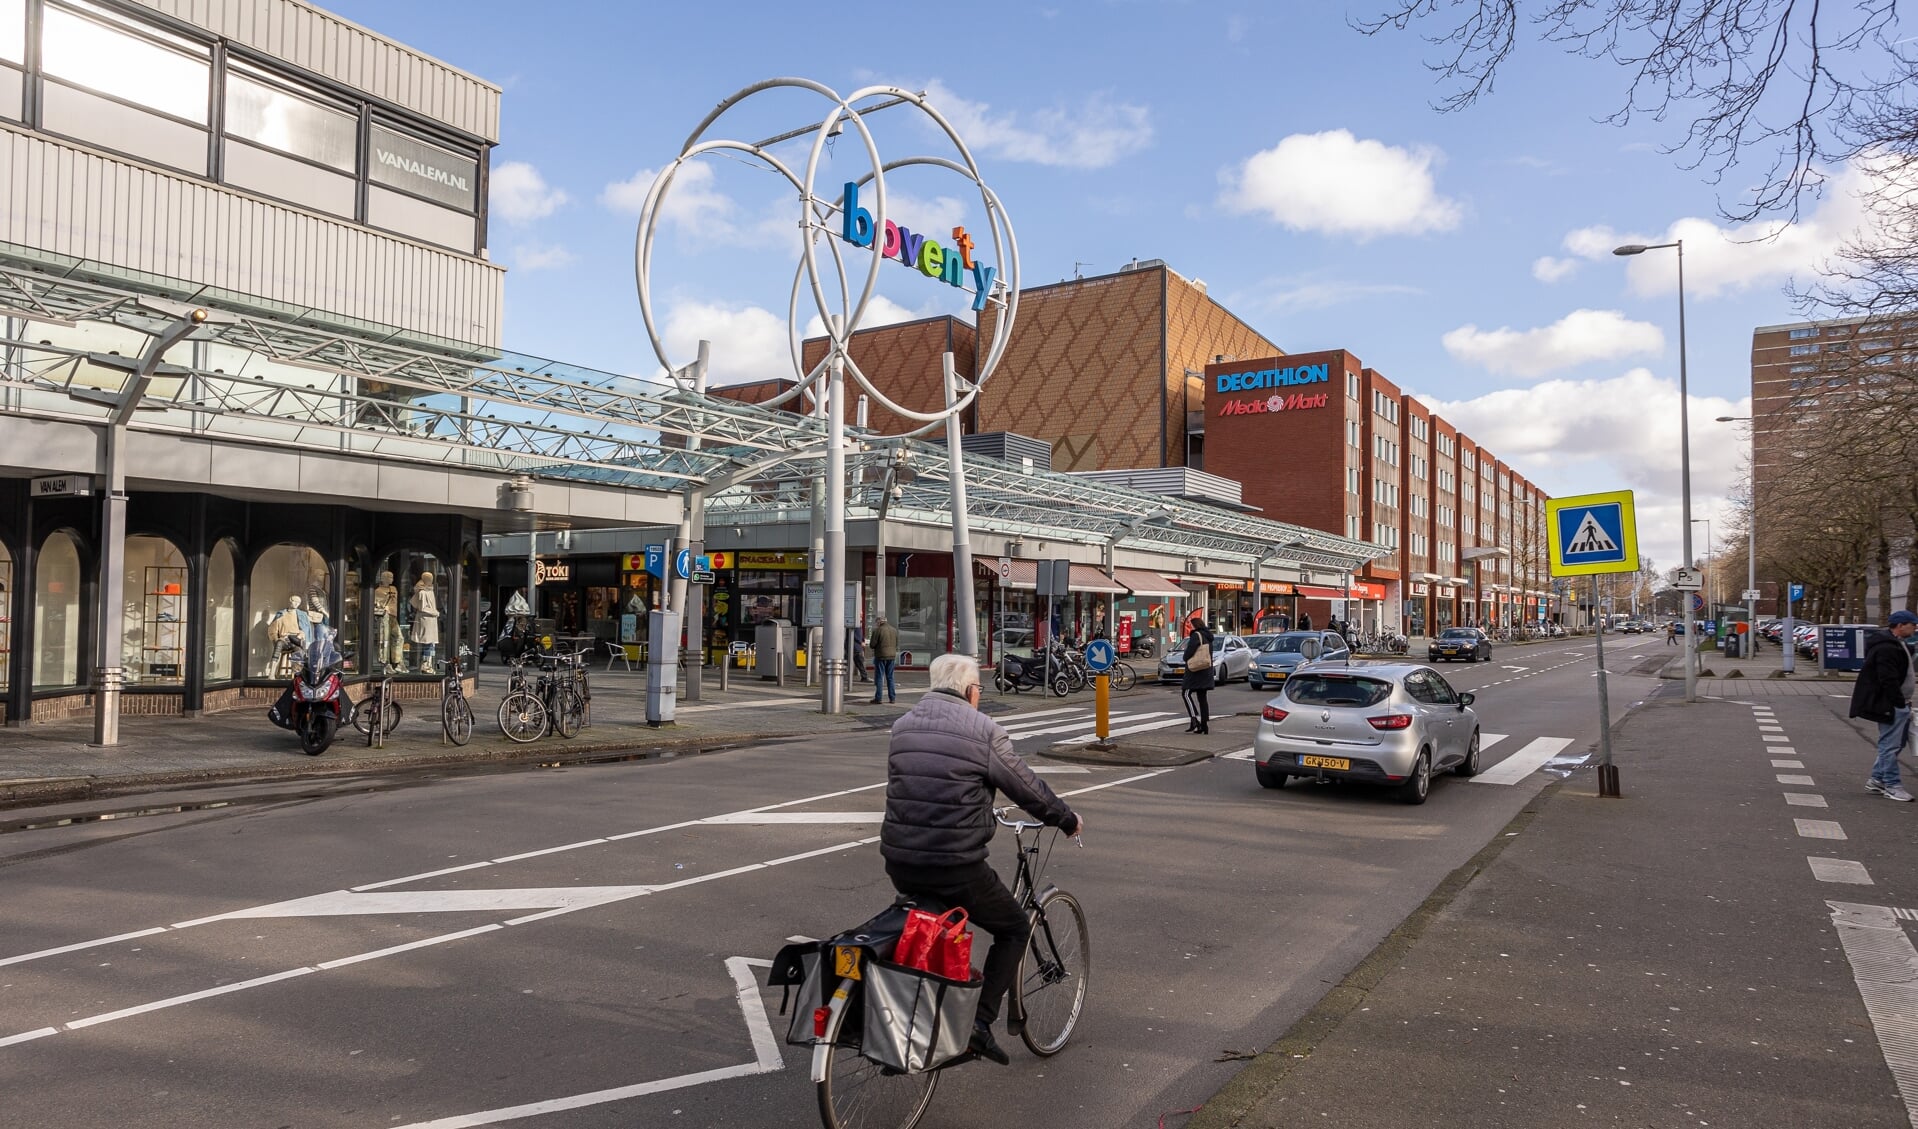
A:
1123,371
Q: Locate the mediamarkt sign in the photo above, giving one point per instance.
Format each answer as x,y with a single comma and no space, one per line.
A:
1273,378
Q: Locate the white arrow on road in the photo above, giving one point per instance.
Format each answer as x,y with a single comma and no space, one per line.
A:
1517,667
759,1026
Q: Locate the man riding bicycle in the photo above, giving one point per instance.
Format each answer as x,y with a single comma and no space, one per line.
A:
945,761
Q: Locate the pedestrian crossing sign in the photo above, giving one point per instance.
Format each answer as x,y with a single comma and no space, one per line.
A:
1592,533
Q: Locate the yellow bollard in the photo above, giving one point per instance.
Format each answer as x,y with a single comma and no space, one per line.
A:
1102,706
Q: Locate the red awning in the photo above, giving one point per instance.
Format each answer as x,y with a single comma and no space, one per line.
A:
1144,583
1085,578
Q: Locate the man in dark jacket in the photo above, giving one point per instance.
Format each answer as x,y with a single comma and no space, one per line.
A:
1883,694
946,760
885,652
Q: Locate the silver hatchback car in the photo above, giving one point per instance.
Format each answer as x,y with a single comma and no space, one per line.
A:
1379,723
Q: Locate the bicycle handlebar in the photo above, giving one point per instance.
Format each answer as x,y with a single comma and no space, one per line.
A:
1024,824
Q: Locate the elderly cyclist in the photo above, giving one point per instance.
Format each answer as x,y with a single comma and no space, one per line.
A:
946,760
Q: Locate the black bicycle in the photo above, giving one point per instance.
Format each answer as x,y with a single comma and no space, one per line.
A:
1045,1003
456,714
379,702
553,702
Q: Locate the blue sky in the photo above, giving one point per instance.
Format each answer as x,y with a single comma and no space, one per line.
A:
1291,163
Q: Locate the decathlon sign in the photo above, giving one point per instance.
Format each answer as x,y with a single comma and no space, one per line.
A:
952,265
1272,378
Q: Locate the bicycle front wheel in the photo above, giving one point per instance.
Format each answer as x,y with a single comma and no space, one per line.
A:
522,718
1053,974
858,1093
456,717
1123,678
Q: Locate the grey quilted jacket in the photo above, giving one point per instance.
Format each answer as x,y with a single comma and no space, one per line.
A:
946,759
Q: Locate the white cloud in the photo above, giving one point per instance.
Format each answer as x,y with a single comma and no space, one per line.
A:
1297,296
1337,184
880,311
1093,135
1578,337
750,342
541,256
517,193
1584,436
690,202
1547,269
1728,260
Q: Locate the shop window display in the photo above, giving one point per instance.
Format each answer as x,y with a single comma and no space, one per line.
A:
919,614
56,614
288,602
409,602
223,569
153,587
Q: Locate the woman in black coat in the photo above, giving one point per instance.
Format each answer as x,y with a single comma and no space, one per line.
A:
1194,685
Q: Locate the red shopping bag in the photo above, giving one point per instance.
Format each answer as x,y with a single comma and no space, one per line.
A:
940,944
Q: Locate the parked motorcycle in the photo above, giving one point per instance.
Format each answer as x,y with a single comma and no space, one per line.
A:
1021,673
315,705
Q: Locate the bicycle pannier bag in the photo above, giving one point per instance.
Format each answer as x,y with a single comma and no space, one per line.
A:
936,943
916,1021
1201,659
799,965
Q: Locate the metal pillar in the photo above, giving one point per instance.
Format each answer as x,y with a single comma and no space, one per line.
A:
832,696
815,548
695,658
967,617
1607,771
110,629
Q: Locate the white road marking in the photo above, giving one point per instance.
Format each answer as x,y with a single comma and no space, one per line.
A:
1082,723
1805,800
1116,783
1022,717
341,903
1049,718
1787,750
1771,729
764,703
1059,769
1487,740
1819,829
775,817
420,877
1522,763
1770,737
78,945
1516,667
1240,755
1121,732
766,1058
1795,778
1787,764
1885,967
1839,870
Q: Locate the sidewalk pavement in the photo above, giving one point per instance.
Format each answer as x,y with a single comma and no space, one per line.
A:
1724,945
1760,675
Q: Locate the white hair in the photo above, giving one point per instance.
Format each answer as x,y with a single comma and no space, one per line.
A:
954,673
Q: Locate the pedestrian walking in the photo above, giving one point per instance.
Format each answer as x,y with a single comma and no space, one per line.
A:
856,645
1671,634
1305,621
885,652
1194,684
1883,694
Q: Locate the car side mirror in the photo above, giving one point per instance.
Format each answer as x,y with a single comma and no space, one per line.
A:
1466,699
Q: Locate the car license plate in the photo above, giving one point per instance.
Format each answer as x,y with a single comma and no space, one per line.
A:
845,961
1324,762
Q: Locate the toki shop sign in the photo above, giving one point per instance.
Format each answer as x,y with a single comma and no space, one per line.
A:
952,265
1276,386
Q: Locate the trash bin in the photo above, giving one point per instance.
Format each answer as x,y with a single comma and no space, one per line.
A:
776,635
1732,640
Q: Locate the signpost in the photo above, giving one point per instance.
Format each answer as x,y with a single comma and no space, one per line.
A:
1794,592
1099,659
1592,535
62,486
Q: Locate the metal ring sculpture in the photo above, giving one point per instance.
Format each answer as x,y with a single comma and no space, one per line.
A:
816,217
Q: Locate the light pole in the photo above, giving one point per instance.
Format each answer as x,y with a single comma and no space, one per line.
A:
1751,548
1684,444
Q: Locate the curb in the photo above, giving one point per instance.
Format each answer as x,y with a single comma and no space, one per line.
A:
1131,756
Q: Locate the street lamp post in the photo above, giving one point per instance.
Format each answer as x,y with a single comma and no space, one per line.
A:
1684,443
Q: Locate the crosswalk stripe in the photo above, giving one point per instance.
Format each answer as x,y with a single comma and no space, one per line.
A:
1122,732
1071,715
1080,725
1523,763
1021,718
1487,740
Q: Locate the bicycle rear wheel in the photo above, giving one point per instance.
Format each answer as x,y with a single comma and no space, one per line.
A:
522,718
363,717
456,717
1053,974
569,710
858,1093
1123,678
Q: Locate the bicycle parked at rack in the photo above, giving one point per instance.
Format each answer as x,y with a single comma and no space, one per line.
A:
552,702
1047,998
379,702
456,714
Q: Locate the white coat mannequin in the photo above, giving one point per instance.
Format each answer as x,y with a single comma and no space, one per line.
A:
426,623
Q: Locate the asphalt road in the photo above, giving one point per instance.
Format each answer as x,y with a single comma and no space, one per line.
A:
565,949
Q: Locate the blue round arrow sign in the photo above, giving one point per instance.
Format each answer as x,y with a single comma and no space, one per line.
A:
1099,655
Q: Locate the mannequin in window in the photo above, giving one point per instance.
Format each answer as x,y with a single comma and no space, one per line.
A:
389,645
289,623
426,623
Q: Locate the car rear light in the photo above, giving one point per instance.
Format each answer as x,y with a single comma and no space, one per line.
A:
1272,713
1391,721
